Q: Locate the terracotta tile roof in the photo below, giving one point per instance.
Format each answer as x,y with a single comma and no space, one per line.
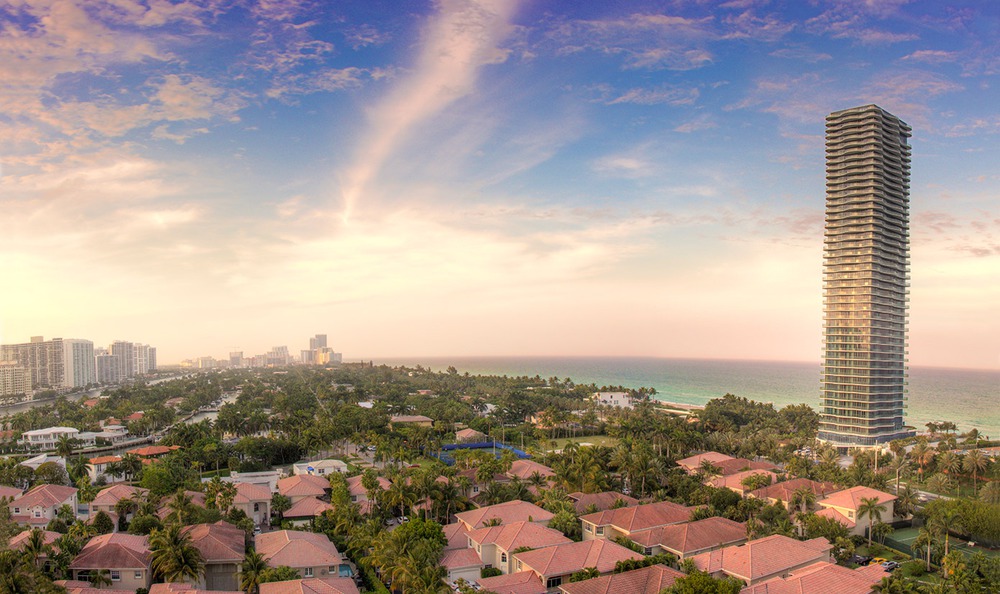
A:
602,501
153,450
46,496
764,557
303,485
105,459
785,489
297,549
641,517
523,469
522,582
740,464
19,540
648,580
135,416
411,419
509,512
851,498
574,556
250,493
460,558
690,537
116,493
327,585
10,492
219,543
829,512
197,498
456,535
307,507
356,486
466,434
182,588
114,551
518,534
821,577
735,481
694,462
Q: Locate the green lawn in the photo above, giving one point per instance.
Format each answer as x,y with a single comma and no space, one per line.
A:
602,440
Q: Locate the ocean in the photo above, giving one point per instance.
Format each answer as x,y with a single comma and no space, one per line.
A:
969,398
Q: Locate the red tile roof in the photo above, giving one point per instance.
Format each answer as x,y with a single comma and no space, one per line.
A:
249,493
602,501
523,469
518,534
829,512
10,492
786,489
821,577
460,559
114,551
735,481
105,459
355,485
326,585
851,498
19,540
641,517
303,485
509,512
648,580
307,507
179,588
522,582
456,535
219,543
740,464
297,549
690,537
694,462
574,556
116,493
763,558
153,450
45,496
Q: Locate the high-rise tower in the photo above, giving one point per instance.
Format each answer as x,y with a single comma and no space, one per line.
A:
865,277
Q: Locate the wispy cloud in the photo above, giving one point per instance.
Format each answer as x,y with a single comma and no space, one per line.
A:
461,38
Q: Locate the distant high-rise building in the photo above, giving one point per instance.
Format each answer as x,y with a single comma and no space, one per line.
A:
317,342
152,358
109,368
865,277
43,359
78,363
236,359
15,380
125,352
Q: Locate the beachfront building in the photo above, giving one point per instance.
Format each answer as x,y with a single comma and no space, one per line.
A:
865,277
613,399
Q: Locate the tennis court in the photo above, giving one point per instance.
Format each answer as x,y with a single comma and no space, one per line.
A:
903,538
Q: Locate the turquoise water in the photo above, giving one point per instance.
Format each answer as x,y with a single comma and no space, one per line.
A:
969,398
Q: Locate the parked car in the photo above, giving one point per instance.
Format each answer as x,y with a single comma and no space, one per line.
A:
860,560
879,560
890,565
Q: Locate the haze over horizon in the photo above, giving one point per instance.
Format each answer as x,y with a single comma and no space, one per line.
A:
485,177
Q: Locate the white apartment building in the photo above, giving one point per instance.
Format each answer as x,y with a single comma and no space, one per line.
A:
78,363
14,379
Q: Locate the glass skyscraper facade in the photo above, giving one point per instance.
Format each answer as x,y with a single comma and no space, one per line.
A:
865,277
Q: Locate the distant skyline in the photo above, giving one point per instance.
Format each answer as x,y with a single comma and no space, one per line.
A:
486,177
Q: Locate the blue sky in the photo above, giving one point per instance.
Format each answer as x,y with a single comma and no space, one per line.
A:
480,177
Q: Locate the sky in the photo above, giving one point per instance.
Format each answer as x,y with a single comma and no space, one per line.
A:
481,177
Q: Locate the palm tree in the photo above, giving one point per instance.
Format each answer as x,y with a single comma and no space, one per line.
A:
35,547
951,464
870,507
79,468
101,577
906,501
180,508
947,519
899,465
250,571
803,497
924,542
924,455
990,493
175,557
974,463
65,446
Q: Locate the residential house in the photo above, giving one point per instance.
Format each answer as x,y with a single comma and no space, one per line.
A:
613,399
691,538
255,501
320,467
154,452
495,544
554,565
456,533
359,494
475,486
265,478
108,497
821,577
692,464
470,436
461,563
763,559
734,482
222,547
197,498
589,503
34,463
305,510
785,490
849,501
524,582
19,541
504,513
526,469
39,505
311,554
624,521
648,580
327,585
10,493
300,486
126,557
99,467
46,439
175,588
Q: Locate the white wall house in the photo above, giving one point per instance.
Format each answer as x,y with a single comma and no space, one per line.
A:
614,399
320,467
45,439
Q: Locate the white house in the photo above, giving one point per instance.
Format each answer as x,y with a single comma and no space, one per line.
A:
320,467
45,439
613,399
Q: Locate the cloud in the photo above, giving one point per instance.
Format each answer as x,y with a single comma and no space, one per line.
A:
931,56
458,41
802,53
669,95
365,35
701,122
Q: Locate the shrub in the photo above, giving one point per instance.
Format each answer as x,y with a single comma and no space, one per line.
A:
490,572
